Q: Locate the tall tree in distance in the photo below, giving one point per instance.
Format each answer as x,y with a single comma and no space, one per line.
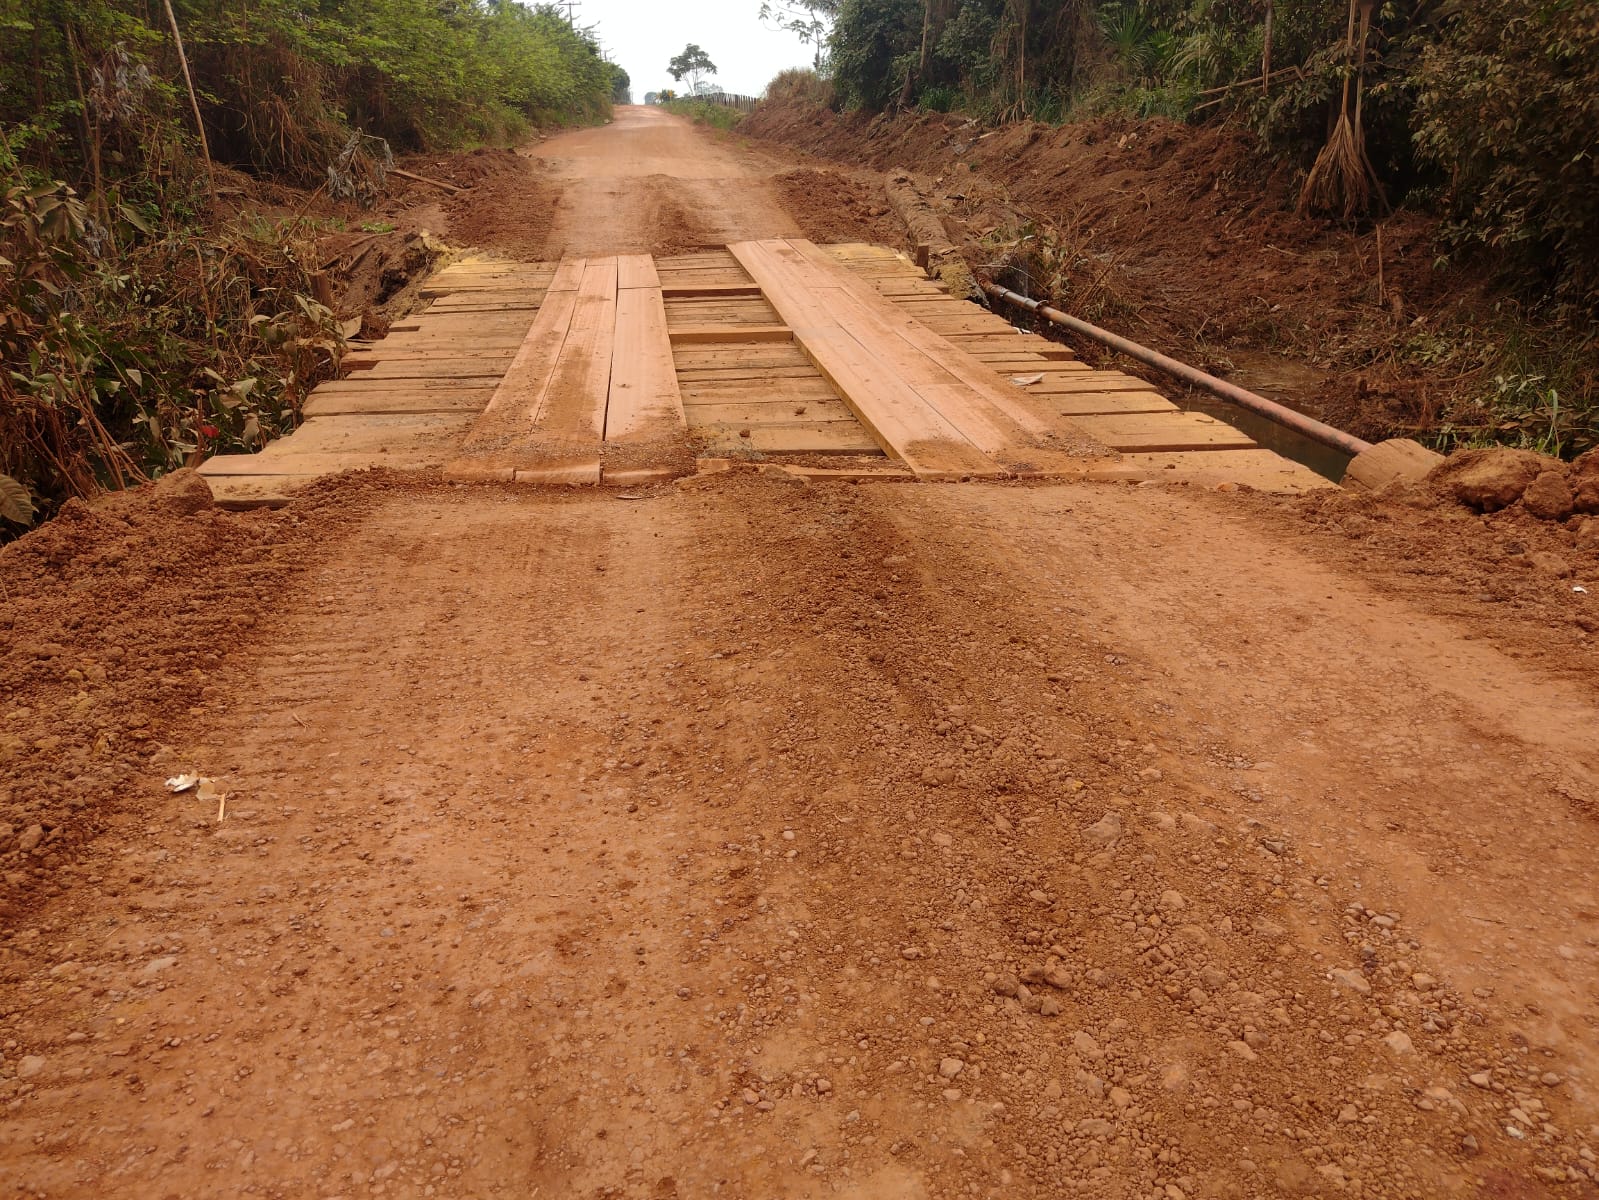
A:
809,20
693,64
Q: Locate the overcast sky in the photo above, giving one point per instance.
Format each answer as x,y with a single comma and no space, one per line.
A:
643,35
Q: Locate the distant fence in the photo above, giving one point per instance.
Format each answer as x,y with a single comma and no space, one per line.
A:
728,99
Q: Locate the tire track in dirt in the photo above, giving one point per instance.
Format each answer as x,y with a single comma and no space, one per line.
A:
739,840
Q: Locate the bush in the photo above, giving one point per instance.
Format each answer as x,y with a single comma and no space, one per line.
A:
705,112
799,87
1508,105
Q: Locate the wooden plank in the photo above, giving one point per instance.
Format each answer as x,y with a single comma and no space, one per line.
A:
363,383
1263,470
468,400
482,367
1088,404
670,290
756,412
314,464
990,413
645,430
636,271
1164,431
797,437
506,422
689,334
901,420
374,433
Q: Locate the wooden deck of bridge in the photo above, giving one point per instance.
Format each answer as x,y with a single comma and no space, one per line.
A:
830,361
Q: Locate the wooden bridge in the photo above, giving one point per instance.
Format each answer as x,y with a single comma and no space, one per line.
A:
838,361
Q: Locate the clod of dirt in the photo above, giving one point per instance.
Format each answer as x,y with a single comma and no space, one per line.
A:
183,493
1585,481
1489,480
1549,497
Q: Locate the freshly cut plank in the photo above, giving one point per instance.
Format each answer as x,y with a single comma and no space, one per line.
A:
1263,470
646,434
376,433
324,403
1164,431
1088,404
498,441
903,421
987,411
749,412
636,271
731,333
795,437
315,464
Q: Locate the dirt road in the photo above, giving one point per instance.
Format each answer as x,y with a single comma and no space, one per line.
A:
748,837
650,182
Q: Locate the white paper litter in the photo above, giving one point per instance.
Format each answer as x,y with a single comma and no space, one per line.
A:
1026,380
182,783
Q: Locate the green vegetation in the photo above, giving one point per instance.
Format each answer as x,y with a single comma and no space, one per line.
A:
705,112
139,325
693,65
1484,112
1484,115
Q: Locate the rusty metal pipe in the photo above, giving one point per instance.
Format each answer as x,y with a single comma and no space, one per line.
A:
1315,430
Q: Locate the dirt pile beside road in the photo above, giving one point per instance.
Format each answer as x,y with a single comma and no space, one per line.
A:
1185,239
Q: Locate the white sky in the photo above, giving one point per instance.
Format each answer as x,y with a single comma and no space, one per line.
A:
643,35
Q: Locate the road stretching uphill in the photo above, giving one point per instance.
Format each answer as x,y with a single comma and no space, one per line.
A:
747,836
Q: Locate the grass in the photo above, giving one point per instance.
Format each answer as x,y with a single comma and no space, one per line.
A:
703,112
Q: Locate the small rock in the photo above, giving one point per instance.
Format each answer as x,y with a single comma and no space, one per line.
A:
1353,980
29,1065
1006,984
1048,1006
1399,1042
183,493
157,965
1423,982
1173,901
1243,1050
1107,829
1550,1079
951,1067
30,838
1095,1127
1481,1079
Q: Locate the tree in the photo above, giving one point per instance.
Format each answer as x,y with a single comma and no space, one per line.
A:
693,64
621,86
810,20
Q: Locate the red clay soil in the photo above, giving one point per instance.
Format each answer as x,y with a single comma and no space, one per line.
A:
747,837
1195,246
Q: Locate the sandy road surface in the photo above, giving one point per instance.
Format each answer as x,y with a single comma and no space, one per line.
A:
753,838
650,182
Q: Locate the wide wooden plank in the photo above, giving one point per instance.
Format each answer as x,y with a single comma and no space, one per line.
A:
796,437
903,421
1263,470
482,367
644,427
1164,431
755,412
636,271
315,464
506,422
351,433
987,411
324,403
1088,404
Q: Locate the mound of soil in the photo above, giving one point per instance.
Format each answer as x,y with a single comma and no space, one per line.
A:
1199,246
831,206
